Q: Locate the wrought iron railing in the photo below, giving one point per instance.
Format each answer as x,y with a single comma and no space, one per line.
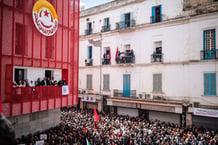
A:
209,54
157,57
124,93
156,19
89,62
88,31
105,61
125,24
106,28
125,59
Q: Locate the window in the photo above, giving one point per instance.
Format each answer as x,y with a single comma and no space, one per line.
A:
90,52
19,40
89,82
20,75
106,25
126,20
50,47
157,83
106,82
156,14
209,39
209,49
210,84
89,29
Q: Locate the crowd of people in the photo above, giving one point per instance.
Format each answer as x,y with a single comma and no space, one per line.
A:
78,126
47,81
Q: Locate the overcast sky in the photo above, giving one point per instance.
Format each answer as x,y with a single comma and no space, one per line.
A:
92,3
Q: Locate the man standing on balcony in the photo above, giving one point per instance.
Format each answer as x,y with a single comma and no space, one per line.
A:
44,82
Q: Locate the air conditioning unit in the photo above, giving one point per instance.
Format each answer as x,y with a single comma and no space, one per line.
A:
196,104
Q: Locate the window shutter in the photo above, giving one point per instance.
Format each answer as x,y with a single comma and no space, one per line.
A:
213,84
206,84
153,14
154,83
159,76
160,13
131,19
122,24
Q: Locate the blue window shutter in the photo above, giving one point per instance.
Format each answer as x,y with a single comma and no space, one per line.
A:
122,24
153,14
90,52
131,19
160,13
204,33
206,84
213,84
214,38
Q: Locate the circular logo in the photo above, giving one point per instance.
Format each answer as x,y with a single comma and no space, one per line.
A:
45,17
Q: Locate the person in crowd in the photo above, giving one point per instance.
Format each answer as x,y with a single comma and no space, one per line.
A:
7,134
113,129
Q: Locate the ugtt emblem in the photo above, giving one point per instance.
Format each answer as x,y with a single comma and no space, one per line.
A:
45,17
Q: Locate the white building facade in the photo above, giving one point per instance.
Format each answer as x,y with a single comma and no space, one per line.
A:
156,58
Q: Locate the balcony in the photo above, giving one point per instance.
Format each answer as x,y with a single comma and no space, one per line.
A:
88,62
88,31
33,99
105,61
125,57
125,24
106,28
156,19
157,57
209,54
124,93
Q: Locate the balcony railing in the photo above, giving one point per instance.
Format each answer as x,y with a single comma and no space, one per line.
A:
209,54
156,19
125,24
89,62
106,28
124,93
125,59
105,61
33,99
157,57
88,31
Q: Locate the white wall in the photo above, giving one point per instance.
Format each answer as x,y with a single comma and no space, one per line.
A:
182,40
163,116
128,111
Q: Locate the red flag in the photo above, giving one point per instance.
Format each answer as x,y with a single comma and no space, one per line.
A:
96,115
116,55
84,129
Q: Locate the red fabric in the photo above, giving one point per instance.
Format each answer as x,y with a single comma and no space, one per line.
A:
116,55
96,115
84,129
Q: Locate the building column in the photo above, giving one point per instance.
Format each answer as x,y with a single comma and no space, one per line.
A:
99,105
188,119
81,104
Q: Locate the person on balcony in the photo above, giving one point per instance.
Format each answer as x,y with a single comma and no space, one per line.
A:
31,84
44,82
38,82
62,82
